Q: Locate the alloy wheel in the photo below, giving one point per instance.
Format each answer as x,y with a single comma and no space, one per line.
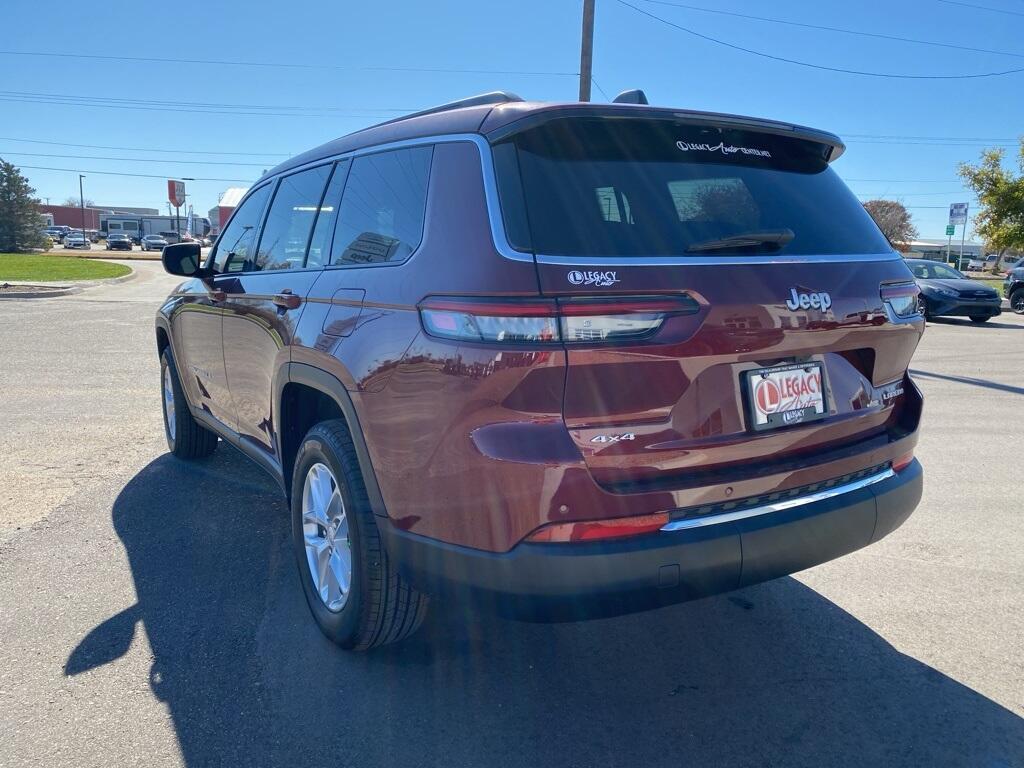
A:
325,532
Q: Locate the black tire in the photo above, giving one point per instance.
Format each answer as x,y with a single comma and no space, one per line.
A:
980,318
381,607
922,307
189,439
1017,301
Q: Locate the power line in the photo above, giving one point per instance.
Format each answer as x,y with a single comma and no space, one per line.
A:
135,159
982,7
926,138
841,30
200,104
81,102
290,65
115,173
948,193
144,149
762,54
906,181
936,143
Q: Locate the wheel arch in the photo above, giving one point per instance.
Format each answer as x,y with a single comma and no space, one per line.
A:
306,396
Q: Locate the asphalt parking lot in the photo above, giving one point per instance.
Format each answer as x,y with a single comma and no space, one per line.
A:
150,612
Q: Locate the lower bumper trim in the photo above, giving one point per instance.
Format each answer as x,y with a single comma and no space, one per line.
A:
778,506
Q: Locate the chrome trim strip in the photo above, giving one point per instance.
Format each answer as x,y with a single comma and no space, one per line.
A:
778,506
501,243
504,248
612,262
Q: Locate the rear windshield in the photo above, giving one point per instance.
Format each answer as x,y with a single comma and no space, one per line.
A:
631,187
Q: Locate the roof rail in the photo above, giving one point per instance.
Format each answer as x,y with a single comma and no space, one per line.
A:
493,97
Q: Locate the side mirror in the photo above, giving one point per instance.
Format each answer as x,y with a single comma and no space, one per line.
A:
184,259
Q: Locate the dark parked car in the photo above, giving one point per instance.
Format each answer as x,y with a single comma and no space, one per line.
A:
153,243
558,360
946,292
1013,288
118,242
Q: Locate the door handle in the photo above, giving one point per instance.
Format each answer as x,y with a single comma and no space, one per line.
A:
287,300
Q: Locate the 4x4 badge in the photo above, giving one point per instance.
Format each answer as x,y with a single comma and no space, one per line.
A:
601,279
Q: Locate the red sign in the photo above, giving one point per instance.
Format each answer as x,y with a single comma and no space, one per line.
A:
176,192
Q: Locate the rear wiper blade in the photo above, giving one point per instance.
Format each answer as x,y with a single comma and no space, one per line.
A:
777,237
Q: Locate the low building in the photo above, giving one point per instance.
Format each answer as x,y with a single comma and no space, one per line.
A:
71,216
935,249
226,203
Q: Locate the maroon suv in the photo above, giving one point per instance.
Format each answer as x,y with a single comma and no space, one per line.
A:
562,360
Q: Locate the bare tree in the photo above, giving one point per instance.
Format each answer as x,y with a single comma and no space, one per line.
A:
76,202
893,218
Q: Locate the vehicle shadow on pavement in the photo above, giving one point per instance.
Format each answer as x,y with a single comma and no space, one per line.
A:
986,383
774,674
970,324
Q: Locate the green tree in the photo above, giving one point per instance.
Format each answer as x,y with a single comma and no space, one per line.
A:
20,222
893,218
1000,223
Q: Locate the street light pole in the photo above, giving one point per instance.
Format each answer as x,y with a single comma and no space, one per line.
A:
81,199
963,236
587,50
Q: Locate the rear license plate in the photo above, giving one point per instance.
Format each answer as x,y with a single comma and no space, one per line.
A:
785,395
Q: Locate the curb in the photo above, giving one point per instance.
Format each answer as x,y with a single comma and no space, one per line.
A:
63,289
60,291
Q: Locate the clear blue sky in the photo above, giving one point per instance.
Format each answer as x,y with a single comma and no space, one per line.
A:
345,87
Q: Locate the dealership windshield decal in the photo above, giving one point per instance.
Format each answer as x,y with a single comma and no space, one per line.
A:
725,149
601,279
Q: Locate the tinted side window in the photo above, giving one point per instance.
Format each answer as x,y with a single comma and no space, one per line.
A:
323,230
381,216
291,217
236,243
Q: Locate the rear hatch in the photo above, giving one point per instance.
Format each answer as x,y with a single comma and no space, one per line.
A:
757,318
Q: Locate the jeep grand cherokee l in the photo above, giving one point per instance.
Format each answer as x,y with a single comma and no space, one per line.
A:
560,360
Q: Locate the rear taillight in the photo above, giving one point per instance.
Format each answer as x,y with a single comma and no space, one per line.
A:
576,320
902,462
901,299
599,529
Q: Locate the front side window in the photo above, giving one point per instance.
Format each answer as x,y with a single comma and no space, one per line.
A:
236,245
382,210
290,220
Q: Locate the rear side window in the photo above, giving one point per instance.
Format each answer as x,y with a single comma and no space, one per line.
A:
655,187
290,220
237,243
382,210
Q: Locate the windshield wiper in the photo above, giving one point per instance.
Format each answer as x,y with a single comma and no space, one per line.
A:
777,237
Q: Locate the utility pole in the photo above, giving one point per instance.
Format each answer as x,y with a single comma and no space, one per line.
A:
81,199
587,50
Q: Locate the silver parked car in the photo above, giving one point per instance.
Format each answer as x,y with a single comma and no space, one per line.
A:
77,240
153,243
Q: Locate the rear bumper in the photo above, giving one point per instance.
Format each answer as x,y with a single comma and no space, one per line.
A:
559,582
